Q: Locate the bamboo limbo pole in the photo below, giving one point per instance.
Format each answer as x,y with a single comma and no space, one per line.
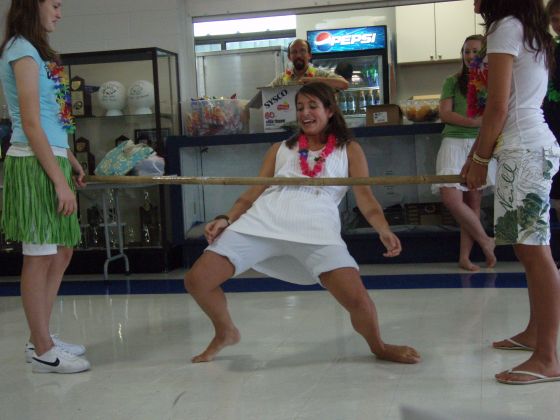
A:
196,180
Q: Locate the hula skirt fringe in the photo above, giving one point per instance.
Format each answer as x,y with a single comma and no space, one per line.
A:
30,204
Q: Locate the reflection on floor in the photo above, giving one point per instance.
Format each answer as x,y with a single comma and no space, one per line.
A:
298,358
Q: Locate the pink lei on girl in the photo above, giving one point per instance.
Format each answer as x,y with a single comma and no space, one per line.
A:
477,88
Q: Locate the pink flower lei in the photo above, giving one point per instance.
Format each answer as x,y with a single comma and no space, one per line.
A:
477,92
56,73
303,151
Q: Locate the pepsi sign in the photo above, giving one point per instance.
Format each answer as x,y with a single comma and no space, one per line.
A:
349,39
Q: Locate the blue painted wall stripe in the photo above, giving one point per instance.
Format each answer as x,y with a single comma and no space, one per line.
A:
386,282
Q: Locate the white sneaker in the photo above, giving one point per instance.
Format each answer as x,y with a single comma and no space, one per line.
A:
74,349
57,360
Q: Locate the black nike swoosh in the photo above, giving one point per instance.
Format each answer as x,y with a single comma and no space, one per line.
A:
53,364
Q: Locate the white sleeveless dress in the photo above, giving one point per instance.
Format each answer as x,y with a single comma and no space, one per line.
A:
298,213
302,214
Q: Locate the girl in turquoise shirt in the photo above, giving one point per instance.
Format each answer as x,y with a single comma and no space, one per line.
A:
39,202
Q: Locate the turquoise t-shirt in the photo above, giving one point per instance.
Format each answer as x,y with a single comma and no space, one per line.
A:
15,49
451,90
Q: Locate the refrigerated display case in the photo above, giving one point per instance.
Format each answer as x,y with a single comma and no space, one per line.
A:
367,50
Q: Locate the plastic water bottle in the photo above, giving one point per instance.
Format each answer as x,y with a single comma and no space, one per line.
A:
342,102
375,77
362,103
351,104
370,99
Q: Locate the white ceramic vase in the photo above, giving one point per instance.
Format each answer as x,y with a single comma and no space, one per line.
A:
141,97
112,97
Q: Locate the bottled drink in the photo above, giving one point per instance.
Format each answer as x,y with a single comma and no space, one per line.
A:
362,103
375,77
342,102
370,99
350,104
376,97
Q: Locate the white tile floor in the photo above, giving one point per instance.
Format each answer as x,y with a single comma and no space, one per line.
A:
298,359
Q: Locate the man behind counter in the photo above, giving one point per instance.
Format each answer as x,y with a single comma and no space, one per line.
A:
302,71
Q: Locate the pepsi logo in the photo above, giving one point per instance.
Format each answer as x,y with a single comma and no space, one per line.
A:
323,41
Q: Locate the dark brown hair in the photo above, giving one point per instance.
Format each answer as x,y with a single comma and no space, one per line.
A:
531,14
24,20
336,124
463,74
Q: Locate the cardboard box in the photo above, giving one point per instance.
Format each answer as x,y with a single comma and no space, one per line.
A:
278,106
383,115
428,214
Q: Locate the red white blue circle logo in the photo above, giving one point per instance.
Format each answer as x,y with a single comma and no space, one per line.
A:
323,41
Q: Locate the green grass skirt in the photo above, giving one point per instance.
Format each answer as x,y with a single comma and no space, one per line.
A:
29,212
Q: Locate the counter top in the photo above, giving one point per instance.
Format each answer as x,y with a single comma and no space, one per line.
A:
175,142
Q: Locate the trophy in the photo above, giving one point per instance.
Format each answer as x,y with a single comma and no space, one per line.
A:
83,155
149,221
81,98
94,219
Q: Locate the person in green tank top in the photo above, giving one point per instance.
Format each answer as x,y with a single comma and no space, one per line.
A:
458,137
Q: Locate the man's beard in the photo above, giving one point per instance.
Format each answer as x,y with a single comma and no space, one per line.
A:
299,64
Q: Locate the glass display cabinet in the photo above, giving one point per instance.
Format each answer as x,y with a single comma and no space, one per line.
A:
117,96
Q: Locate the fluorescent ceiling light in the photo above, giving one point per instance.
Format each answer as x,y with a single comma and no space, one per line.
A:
224,27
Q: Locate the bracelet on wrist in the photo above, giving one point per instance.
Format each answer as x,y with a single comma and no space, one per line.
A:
224,217
479,160
480,163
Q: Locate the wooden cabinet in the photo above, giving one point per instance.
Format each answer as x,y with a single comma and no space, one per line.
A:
433,31
416,33
454,21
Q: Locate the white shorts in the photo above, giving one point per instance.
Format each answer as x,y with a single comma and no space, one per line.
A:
35,250
290,261
451,157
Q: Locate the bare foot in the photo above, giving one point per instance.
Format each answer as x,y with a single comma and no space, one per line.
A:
218,343
466,264
399,354
488,251
532,365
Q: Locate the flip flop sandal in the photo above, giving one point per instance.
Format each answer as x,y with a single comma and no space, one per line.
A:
515,346
539,378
